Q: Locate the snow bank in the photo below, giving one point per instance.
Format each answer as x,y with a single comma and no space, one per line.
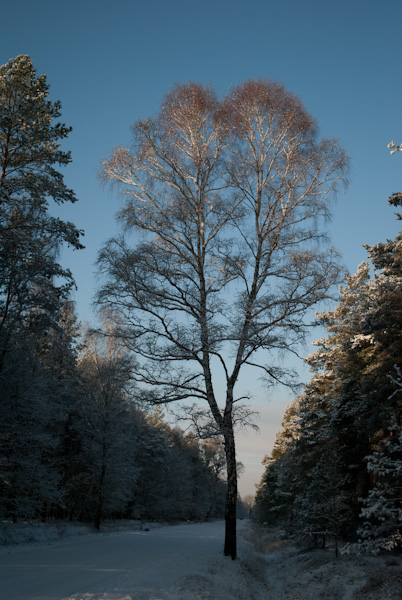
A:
12,534
22,533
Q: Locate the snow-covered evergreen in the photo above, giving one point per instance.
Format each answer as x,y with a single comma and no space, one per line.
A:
345,457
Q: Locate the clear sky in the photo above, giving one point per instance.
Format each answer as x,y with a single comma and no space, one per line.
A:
110,63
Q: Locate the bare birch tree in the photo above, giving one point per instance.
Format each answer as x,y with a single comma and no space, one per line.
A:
227,197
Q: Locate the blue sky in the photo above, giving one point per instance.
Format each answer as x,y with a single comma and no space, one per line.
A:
110,63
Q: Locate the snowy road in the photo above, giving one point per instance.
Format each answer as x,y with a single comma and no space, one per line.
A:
141,565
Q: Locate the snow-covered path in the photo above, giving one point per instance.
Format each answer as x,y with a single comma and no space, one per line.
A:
141,565
186,562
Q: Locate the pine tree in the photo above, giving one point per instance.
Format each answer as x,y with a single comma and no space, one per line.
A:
36,349
345,462
29,236
381,514
279,483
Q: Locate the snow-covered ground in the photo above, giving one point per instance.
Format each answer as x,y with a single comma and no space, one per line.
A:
295,574
184,562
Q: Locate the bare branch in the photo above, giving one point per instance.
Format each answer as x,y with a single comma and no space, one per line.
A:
228,197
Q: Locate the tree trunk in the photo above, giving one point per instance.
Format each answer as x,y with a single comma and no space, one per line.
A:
100,500
231,498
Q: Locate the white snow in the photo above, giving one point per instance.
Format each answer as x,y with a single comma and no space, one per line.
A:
185,562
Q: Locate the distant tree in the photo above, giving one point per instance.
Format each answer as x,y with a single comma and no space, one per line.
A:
213,454
227,197
154,462
175,480
280,481
107,426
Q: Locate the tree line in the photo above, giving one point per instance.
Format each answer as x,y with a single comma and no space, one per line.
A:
78,445
76,440
336,465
